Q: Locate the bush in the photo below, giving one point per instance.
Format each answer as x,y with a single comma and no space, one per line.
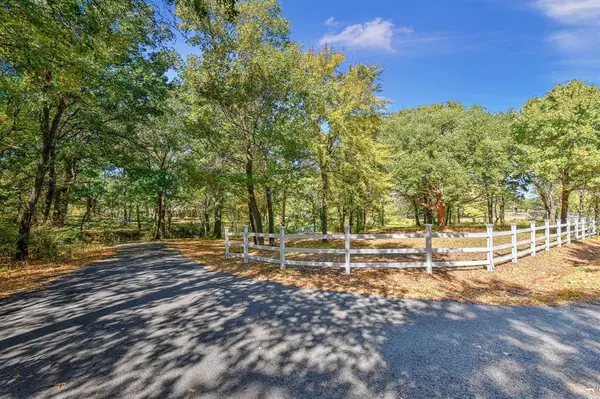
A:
9,234
187,230
114,236
47,242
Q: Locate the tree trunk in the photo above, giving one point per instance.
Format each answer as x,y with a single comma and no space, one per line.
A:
170,219
49,130
160,216
62,196
417,220
89,204
428,216
351,219
581,203
440,210
252,225
206,223
324,210
270,215
164,218
564,204
137,215
51,186
252,197
502,209
314,215
490,207
343,218
218,221
364,219
283,207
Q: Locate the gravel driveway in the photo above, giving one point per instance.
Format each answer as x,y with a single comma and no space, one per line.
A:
148,323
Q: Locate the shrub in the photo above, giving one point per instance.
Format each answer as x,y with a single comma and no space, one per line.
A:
48,243
9,234
113,236
187,230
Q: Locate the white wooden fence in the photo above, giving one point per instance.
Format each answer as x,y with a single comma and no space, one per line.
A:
555,235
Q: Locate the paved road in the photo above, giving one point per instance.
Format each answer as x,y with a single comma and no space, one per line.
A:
148,323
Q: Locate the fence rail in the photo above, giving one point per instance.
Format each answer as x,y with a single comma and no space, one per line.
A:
553,235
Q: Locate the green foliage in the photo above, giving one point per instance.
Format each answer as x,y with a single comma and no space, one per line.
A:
8,239
49,243
448,154
559,140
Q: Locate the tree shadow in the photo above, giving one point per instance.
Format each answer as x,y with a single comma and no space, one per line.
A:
149,323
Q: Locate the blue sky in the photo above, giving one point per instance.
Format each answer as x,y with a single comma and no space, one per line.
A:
496,53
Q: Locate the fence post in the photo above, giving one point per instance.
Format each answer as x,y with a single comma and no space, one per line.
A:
428,249
245,244
513,230
533,236
568,231
547,236
490,245
576,229
559,232
282,247
583,220
226,242
347,247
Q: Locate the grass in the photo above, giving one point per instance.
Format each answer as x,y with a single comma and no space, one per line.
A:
26,276
558,277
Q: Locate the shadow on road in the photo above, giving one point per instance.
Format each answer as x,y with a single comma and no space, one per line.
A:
149,323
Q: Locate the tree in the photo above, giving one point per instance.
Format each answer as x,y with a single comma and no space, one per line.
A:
446,154
343,112
559,138
245,74
64,56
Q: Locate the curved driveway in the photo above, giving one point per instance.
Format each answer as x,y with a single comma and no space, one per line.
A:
147,323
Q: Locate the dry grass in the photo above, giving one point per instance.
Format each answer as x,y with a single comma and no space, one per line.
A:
558,277
25,276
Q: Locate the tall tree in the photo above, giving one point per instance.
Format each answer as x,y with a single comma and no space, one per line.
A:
342,108
244,73
446,153
559,137
63,56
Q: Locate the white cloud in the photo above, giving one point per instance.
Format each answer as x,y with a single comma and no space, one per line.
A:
576,41
571,11
582,18
376,34
331,22
578,37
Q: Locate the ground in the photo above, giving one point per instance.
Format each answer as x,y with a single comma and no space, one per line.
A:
557,277
149,323
22,276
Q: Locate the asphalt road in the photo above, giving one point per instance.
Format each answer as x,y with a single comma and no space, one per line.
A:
148,323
